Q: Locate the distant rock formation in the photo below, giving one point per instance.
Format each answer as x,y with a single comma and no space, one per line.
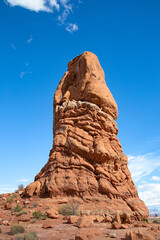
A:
87,159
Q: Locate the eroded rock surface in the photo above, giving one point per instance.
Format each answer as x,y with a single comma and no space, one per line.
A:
87,159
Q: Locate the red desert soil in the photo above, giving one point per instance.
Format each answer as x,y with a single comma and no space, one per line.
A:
96,227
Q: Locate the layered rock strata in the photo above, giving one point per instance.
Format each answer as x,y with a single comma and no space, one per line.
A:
87,159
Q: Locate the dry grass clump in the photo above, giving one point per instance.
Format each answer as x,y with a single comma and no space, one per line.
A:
17,208
69,209
31,236
28,236
17,228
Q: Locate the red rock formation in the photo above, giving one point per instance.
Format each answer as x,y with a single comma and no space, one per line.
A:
87,158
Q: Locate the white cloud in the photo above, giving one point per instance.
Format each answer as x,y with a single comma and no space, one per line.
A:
155,178
7,189
54,3
30,40
22,74
48,6
35,5
143,165
72,27
13,46
150,194
27,64
66,12
142,168
23,180
64,2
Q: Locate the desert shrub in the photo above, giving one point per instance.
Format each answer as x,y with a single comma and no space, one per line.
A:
17,228
69,209
44,217
0,230
0,196
34,205
22,213
145,220
10,198
3,203
17,208
31,236
37,214
20,187
19,238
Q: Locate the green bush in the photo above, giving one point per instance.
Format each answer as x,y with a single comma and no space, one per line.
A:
17,208
44,217
145,220
0,230
31,236
37,214
17,228
22,213
3,203
10,198
69,209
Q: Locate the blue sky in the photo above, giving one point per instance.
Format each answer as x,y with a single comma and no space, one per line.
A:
38,38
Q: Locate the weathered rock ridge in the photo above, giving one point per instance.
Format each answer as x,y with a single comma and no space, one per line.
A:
87,160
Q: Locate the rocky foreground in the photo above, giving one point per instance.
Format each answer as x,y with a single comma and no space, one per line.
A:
61,219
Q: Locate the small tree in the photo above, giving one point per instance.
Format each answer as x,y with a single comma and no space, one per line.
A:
20,187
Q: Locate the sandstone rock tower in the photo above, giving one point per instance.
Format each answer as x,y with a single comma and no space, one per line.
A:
87,158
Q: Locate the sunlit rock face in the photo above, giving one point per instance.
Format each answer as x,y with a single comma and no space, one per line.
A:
87,159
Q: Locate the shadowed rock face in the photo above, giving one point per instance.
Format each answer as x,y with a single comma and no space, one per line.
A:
87,159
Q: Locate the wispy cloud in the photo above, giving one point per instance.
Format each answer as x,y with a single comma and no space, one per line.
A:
68,8
72,27
143,165
13,46
23,180
35,5
150,194
30,39
22,74
155,178
7,189
26,63
63,7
